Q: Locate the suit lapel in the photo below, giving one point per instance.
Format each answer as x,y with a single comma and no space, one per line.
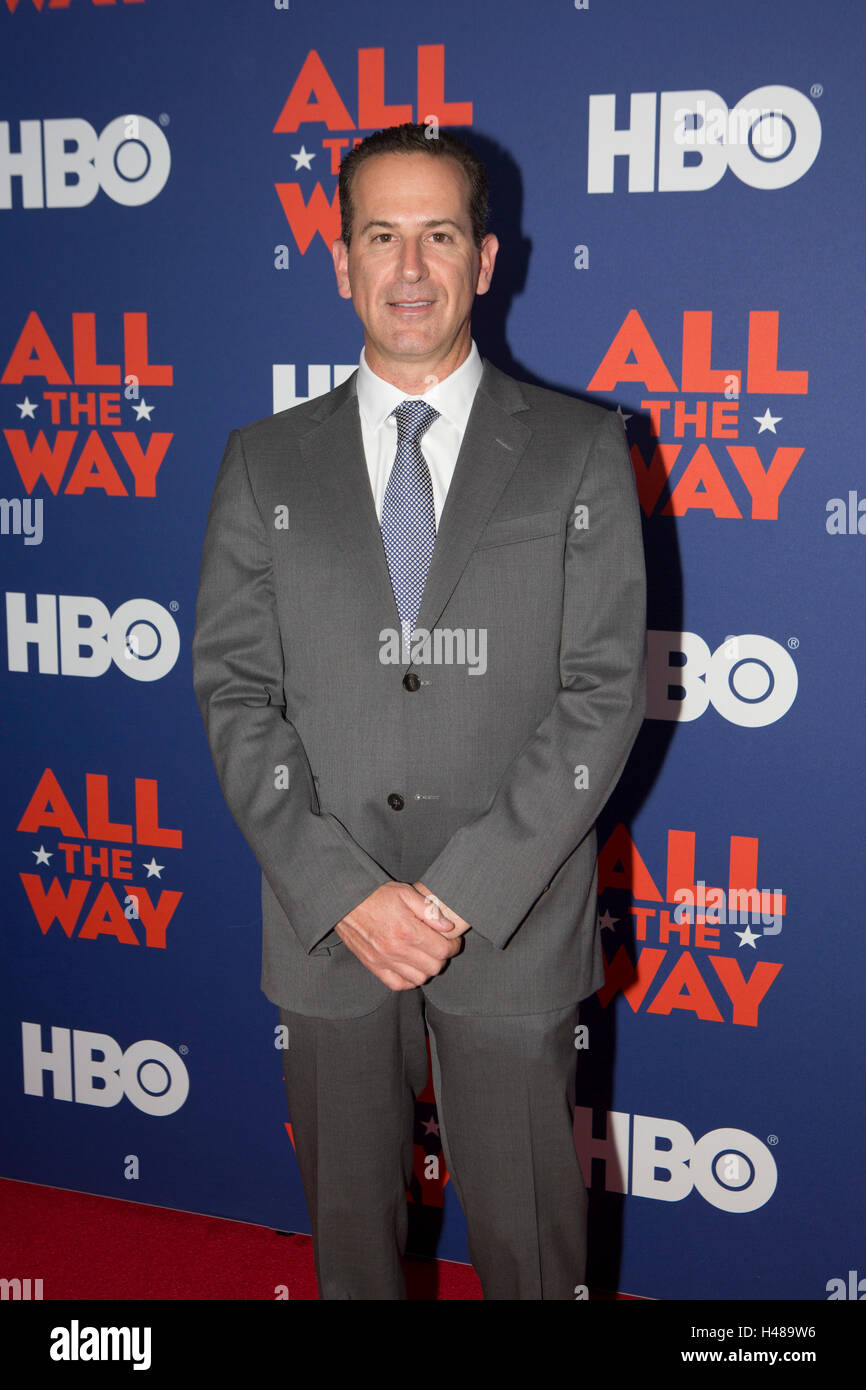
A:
493,444
334,454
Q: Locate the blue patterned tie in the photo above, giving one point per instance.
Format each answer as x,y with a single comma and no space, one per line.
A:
408,514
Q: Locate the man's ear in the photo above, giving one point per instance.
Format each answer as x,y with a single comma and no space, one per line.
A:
489,248
340,253
488,257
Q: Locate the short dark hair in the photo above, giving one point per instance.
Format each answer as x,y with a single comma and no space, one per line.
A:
416,139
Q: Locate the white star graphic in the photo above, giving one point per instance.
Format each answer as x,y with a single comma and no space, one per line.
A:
143,410
42,854
767,421
747,937
622,415
27,407
606,921
154,870
302,159
431,1127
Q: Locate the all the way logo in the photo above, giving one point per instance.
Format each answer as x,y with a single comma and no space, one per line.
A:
699,461
83,412
91,881
93,1069
315,101
65,162
770,139
680,936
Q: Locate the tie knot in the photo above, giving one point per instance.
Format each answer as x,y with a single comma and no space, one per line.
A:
413,419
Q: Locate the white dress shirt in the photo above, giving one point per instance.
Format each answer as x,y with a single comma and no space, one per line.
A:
440,444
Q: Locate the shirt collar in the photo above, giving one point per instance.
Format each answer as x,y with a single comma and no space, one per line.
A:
452,397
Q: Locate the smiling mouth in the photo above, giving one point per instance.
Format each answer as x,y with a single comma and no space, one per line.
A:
410,303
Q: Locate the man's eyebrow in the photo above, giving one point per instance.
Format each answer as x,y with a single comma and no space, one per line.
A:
431,222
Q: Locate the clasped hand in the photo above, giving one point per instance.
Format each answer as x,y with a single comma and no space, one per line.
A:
403,934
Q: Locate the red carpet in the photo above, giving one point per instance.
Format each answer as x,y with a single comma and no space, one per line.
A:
85,1247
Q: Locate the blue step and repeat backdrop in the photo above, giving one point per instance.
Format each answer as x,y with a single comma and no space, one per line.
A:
680,212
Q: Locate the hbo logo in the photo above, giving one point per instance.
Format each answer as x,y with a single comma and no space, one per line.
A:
130,161
141,637
749,680
769,140
148,1073
730,1168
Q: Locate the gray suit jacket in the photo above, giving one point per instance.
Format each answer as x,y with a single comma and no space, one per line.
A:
342,776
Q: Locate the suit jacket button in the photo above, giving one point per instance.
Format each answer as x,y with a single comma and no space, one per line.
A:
411,681
396,802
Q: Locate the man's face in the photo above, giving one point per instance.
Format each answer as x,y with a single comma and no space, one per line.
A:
412,270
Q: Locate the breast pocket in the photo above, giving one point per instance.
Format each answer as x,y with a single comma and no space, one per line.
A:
513,529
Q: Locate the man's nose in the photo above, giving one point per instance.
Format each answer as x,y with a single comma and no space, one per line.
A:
412,265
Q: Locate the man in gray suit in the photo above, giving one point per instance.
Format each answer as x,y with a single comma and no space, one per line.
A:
421,673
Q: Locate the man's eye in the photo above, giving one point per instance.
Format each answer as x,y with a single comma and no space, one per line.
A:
382,236
441,236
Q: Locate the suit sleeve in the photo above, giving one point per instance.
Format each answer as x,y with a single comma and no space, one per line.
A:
316,869
495,867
